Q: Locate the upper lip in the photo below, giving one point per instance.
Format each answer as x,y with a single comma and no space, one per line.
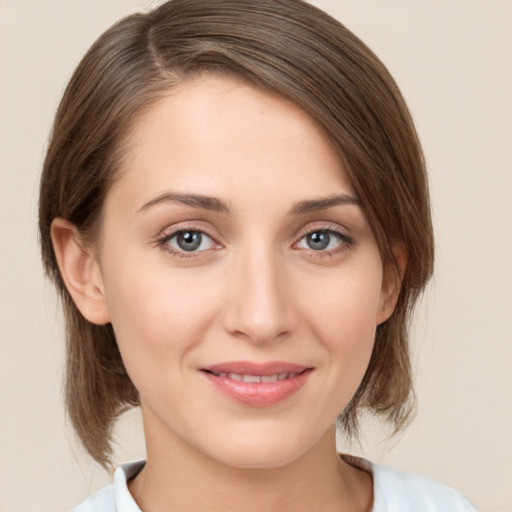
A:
253,368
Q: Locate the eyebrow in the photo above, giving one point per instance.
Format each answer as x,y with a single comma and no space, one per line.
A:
217,205
193,200
313,205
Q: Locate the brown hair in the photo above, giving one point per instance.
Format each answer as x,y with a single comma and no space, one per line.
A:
285,46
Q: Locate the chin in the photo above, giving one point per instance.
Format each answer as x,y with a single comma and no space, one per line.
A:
257,458
264,449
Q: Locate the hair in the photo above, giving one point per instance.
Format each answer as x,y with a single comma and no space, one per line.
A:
287,47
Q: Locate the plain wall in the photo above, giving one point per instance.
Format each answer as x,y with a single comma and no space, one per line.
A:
453,61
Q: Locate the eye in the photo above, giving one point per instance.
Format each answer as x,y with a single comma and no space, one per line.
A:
321,240
189,241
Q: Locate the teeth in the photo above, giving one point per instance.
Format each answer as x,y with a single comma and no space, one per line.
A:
255,378
252,378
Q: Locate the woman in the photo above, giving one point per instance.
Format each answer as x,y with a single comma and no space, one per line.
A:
235,211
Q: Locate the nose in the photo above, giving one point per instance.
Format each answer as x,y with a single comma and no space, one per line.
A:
260,306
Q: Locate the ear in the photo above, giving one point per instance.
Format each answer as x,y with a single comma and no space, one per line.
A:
80,272
391,283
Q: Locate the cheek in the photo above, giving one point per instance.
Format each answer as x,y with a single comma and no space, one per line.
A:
343,317
346,307
158,316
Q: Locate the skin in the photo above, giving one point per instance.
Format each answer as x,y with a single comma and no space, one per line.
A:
254,290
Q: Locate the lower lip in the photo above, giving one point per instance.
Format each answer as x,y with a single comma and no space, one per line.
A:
259,394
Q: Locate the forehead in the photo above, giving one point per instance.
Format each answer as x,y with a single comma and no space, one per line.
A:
212,130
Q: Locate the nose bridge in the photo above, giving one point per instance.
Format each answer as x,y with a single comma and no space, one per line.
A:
259,307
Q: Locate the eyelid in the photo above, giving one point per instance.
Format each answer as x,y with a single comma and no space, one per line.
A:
323,226
188,225
169,232
346,240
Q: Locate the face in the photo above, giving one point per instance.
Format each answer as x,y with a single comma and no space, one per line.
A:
240,275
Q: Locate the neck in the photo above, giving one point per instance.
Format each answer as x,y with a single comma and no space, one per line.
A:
178,477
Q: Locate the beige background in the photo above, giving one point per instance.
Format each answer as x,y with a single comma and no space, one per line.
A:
453,60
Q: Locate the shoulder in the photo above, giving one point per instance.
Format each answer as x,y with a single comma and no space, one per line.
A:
115,497
102,500
395,491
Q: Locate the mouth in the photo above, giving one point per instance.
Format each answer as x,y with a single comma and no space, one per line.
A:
256,384
256,378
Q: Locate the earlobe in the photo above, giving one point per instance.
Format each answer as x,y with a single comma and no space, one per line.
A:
392,283
80,272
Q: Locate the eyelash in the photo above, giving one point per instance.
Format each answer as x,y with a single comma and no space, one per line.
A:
345,242
164,240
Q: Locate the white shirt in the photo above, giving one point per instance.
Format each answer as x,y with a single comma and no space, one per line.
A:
393,491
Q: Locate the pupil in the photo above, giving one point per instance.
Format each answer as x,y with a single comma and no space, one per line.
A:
189,240
319,240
